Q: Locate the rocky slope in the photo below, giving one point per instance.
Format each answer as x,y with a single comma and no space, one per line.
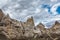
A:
11,29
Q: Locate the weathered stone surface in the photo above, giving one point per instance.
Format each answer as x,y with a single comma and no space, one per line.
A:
41,26
1,14
11,29
56,25
30,21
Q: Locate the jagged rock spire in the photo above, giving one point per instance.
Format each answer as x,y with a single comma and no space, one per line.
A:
30,21
1,14
56,23
41,26
0,10
11,29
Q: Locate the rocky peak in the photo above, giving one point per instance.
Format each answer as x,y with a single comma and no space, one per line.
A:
1,14
57,23
41,26
11,29
29,24
30,21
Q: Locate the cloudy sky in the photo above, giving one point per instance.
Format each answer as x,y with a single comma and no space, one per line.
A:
44,11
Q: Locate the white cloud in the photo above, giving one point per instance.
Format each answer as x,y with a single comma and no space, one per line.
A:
46,9
22,9
3,2
37,10
53,0
54,7
16,6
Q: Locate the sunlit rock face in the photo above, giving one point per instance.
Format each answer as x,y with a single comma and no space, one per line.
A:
11,29
41,26
30,21
55,30
29,24
1,14
56,25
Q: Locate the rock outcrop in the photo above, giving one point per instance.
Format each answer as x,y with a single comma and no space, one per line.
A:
1,14
11,29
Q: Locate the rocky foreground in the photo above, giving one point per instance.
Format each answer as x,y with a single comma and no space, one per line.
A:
11,29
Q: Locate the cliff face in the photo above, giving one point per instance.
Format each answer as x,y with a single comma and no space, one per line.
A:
11,29
1,14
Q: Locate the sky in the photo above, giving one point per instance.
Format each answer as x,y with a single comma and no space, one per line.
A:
44,11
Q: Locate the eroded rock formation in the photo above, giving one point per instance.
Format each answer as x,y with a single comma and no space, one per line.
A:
11,29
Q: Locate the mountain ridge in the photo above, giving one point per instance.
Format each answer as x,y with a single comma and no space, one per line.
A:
11,29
